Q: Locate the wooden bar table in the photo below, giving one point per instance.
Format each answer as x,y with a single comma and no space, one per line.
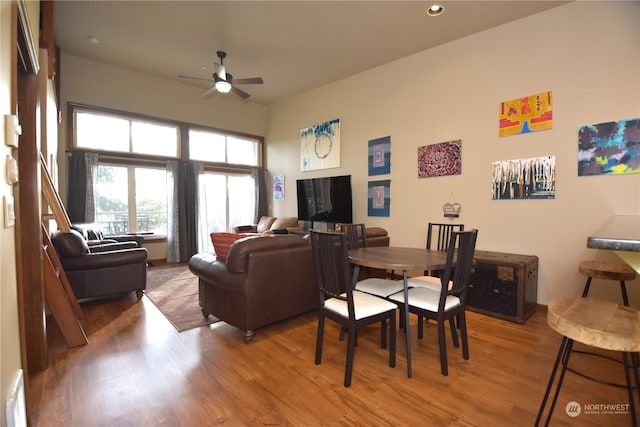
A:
620,234
395,258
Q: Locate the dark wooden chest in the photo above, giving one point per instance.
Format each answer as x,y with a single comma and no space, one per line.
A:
504,285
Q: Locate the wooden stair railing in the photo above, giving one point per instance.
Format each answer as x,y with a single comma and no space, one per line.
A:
58,293
53,198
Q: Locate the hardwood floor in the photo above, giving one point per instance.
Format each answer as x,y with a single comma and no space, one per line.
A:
137,370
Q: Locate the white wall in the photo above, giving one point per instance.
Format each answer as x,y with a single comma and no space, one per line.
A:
586,53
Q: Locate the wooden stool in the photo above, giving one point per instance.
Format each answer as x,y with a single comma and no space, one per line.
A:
601,324
607,270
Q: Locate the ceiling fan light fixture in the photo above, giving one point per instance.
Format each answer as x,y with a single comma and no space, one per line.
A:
223,86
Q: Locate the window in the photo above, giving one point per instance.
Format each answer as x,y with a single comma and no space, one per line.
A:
132,186
226,200
216,147
129,199
110,132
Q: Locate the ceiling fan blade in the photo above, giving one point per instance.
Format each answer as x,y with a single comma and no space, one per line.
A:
180,76
248,81
208,91
242,94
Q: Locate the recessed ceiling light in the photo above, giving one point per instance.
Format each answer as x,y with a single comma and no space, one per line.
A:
435,10
94,40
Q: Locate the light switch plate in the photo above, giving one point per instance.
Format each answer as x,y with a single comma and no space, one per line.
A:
9,212
12,130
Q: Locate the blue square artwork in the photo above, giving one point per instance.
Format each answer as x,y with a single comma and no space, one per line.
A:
379,198
380,156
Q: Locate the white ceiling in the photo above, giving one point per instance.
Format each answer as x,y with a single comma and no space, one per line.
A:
294,46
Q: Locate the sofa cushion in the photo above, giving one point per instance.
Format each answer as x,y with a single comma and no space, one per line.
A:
284,222
239,253
69,245
264,224
222,242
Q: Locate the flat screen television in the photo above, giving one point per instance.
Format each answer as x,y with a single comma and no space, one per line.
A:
325,199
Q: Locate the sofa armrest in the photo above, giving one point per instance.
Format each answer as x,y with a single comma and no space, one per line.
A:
106,259
245,229
105,247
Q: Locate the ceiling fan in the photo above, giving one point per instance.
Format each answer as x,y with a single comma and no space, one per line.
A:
224,82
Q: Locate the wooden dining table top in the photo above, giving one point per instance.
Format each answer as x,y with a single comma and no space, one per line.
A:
398,258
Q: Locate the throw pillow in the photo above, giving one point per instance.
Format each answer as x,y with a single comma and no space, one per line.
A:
222,242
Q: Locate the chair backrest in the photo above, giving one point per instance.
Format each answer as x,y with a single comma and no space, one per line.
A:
356,234
459,264
331,265
441,233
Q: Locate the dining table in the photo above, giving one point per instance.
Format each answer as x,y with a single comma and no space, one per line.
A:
398,259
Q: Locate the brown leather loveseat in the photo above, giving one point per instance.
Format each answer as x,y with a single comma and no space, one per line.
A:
100,270
265,279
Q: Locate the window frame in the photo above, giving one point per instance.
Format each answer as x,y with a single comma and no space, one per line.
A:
119,158
183,139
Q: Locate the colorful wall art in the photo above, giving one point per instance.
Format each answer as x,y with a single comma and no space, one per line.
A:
380,156
379,198
529,178
278,187
440,159
320,146
610,148
529,114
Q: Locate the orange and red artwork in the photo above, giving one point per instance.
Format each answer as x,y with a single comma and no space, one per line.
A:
529,114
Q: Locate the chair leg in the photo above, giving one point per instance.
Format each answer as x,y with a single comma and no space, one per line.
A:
443,348
420,327
625,297
454,332
350,350
563,356
630,386
319,339
383,334
392,341
585,292
462,325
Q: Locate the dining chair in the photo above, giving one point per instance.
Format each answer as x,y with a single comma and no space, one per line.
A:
356,234
438,238
449,301
349,308
357,238
440,235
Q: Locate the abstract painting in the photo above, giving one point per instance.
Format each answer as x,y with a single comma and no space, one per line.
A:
320,146
278,187
379,198
529,114
440,159
610,148
529,178
380,156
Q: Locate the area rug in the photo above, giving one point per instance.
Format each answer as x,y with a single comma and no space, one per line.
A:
174,290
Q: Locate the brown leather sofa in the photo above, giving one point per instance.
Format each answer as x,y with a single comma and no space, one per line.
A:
103,269
271,225
265,279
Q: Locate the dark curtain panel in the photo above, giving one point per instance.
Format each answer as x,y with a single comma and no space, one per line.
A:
77,194
187,184
262,204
